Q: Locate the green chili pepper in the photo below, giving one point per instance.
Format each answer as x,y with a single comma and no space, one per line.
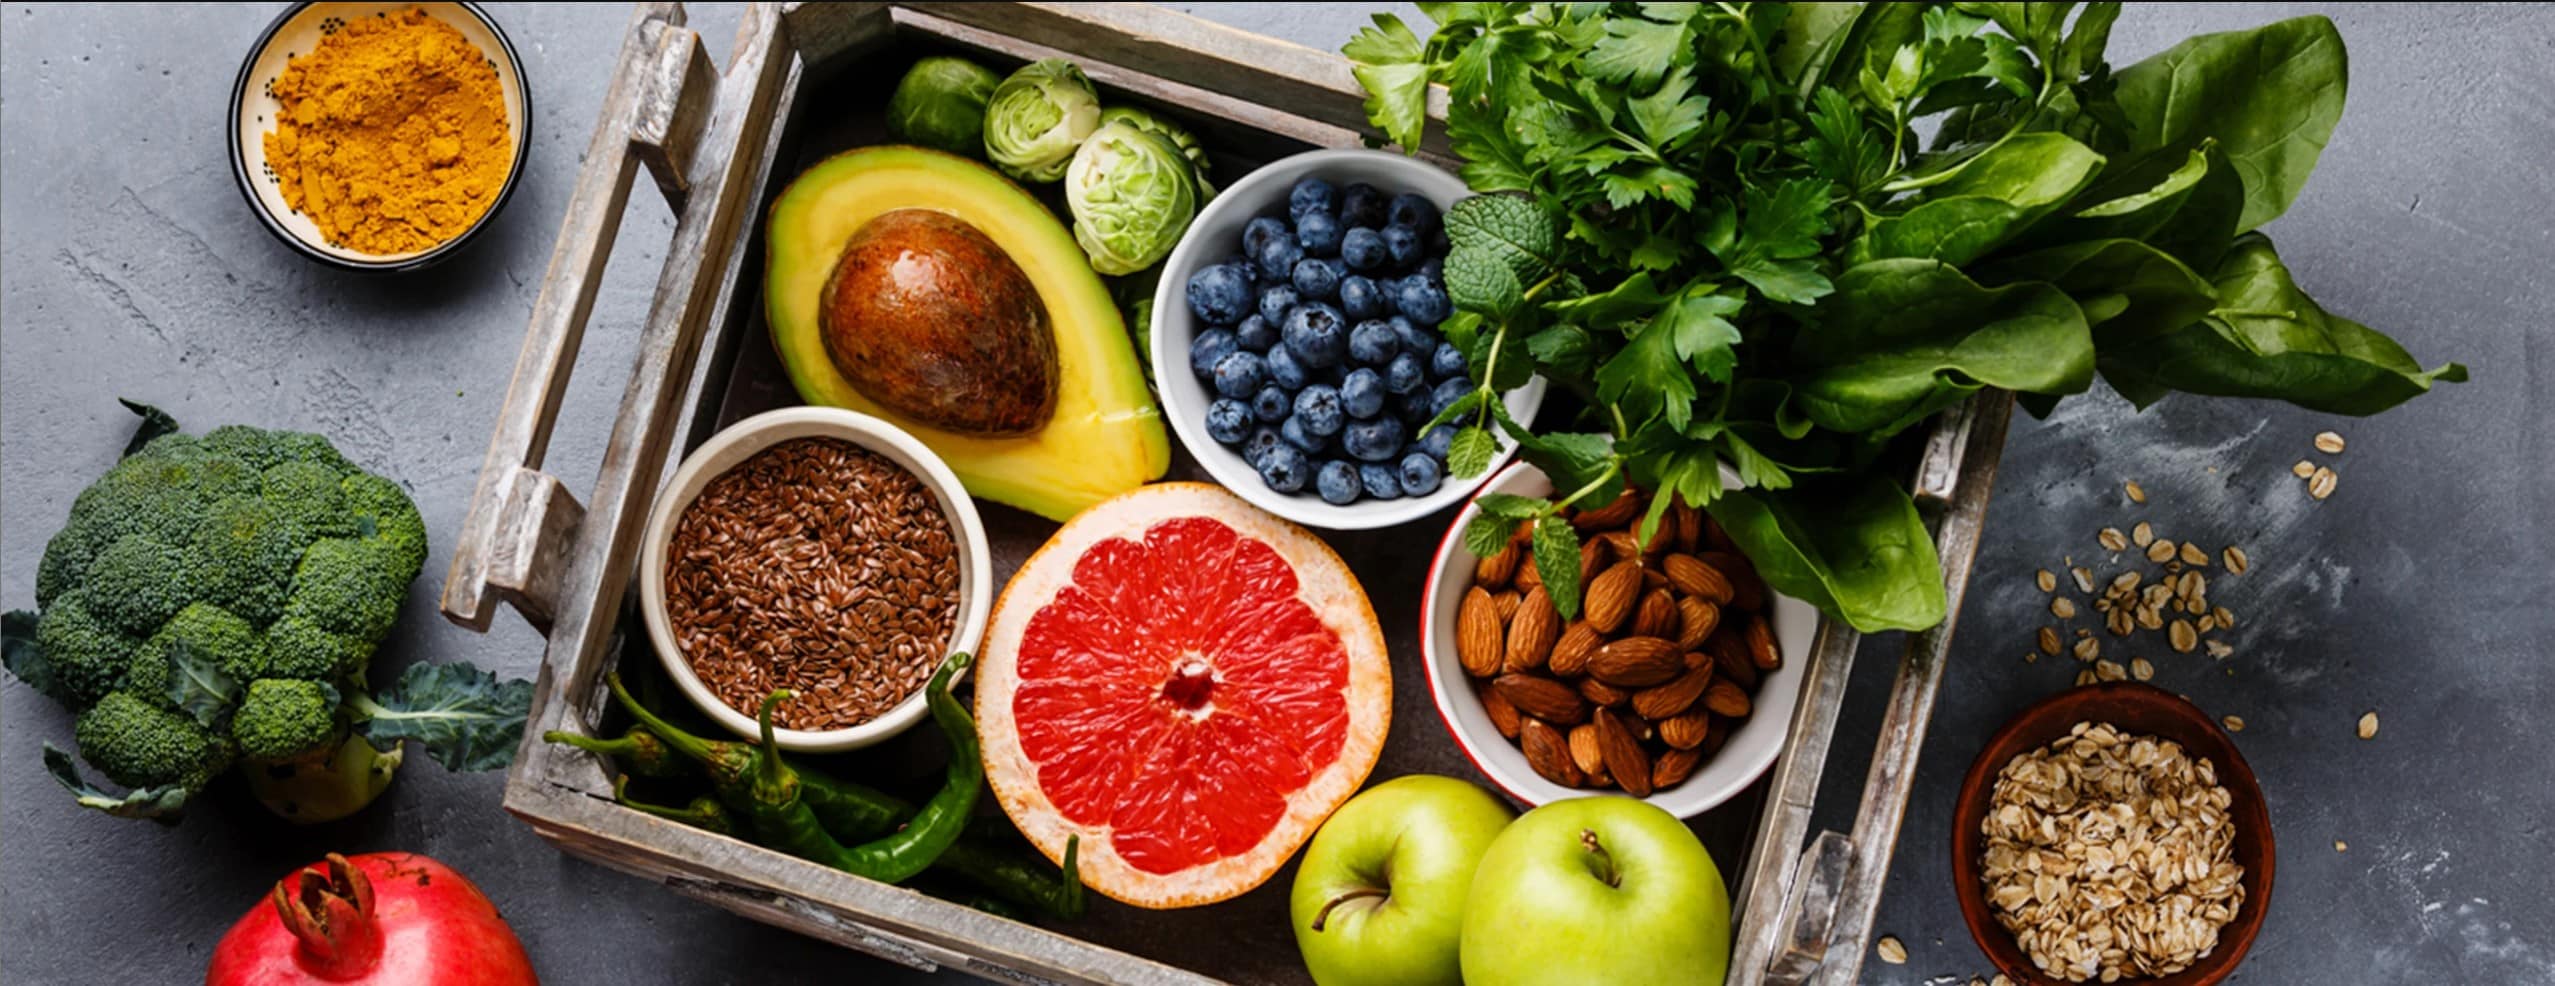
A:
897,857
639,751
704,812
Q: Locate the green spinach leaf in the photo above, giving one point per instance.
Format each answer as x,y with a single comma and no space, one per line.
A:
2269,96
1852,546
1902,339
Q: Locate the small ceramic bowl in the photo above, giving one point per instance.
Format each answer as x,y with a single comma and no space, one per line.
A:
741,441
1742,758
253,113
2136,708
1217,234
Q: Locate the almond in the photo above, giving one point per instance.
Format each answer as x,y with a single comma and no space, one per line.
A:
1494,571
1584,752
1594,553
1674,767
1726,699
1611,595
1687,523
1478,646
1713,737
1503,715
1507,601
1696,620
1696,579
1657,616
1761,649
1532,631
1685,732
1577,644
1542,698
1730,657
1747,592
1600,693
1626,762
1528,576
1637,662
1548,753
1674,697
1625,506
1696,660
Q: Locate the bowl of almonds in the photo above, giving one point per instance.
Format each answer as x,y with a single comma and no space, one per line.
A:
1673,680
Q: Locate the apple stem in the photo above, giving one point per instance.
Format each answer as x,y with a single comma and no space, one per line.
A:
1325,914
1605,861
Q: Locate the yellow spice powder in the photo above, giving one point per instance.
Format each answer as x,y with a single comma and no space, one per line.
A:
393,134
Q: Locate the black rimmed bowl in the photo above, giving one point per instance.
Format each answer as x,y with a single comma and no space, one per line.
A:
297,31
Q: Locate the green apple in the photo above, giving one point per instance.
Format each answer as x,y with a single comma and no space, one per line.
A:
1597,890
1379,896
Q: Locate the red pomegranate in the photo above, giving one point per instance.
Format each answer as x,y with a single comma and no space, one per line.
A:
379,919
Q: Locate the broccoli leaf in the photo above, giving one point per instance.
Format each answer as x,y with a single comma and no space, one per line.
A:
160,804
466,718
155,423
25,658
199,687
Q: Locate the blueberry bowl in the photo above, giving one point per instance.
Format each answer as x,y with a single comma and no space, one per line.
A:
1295,344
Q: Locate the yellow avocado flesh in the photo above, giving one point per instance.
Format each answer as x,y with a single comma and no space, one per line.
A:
1106,435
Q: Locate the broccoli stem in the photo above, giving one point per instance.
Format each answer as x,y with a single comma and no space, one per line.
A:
326,784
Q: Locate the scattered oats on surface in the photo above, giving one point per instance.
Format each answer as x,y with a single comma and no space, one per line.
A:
2142,535
2341,846
2000,980
2206,623
2369,726
2219,649
2140,669
2161,551
2109,670
2192,555
2063,608
2088,649
2303,469
2112,540
2329,443
2320,485
2048,641
2136,495
2235,560
2225,617
2085,677
2234,724
2084,578
2048,582
2183,636
1890,950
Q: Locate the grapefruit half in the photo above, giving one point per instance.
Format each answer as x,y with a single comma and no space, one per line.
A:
1186,682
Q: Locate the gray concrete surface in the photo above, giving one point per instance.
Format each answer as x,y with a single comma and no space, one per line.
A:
130,267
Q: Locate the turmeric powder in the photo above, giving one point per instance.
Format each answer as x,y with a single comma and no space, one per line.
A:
392,136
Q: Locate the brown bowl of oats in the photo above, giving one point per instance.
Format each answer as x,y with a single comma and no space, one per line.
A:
818,550
2112,833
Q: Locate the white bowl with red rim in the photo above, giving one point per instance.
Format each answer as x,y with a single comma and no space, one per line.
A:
745,439
1743,758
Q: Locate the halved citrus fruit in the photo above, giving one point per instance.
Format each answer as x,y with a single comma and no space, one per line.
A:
1186,682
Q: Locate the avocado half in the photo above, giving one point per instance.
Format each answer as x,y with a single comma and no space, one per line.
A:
1105,434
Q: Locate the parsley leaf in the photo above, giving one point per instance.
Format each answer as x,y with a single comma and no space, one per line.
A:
1387,61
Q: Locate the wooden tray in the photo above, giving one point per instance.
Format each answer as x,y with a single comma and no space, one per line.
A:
807,81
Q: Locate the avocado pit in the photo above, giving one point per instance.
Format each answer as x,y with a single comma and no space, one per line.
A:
929,317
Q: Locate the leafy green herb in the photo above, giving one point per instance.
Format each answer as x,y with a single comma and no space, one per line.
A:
1557,563
160,804
1718,226
466,718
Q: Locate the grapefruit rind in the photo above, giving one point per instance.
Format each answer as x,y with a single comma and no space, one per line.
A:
1324,584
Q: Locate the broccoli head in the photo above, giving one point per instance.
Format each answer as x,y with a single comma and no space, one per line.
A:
211,633
299,648
243,556
88,655
138,583
284,718
345,586
139,744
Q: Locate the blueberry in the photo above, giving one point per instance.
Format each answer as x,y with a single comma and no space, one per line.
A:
1271,404
1256,333
1420,474
1228,421
1362,393
1401,245
1447,362
1284,369
1363,249
1263,438
1374,441
1210,346
1283,468
1275,299
1423,302
1416,406
1361,297
1412,339
1219,295
1239,374
1317,406
1298,438
1448,392
1380,481
1277,259
1260,232
1338,483
1318,335
1372,343
1309,194
1318,232
1434,269
1363,205
1406,374
1318,278
1414,211
1437,441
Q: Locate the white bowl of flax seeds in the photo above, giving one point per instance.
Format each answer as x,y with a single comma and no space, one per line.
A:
821,551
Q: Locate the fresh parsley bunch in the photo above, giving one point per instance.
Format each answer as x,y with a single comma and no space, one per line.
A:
1719,226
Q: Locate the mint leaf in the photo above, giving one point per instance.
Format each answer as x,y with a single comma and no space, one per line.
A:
25,659
1510,505
1471,453
1478,281
1557,563
1511,229
466,718
1487,534
1388,61
1633,296
160,804
1567,348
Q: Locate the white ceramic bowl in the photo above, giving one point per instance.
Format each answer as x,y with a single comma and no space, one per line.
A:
740,442
1745,757
1217,234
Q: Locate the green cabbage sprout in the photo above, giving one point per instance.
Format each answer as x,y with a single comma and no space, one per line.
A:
1132,194
940,104
1037,117
1179,137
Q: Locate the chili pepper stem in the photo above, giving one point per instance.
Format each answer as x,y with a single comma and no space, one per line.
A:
774,781
676,739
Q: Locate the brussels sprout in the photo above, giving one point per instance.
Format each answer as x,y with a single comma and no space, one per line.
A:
1132,195
1179,136
1037,117
941,104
